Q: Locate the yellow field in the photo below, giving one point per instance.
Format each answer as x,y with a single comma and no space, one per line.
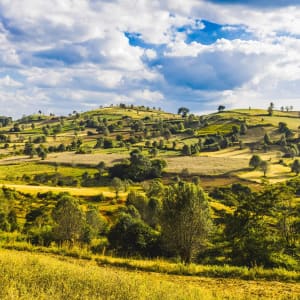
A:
205,165
14,172
80,191
276,173
39,276
88,159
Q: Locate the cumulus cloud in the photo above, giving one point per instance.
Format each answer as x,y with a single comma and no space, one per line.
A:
64,55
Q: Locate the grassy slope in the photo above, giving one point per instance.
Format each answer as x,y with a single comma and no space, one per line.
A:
39,276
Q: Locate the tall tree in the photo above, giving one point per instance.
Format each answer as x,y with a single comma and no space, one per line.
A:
183,111
295,167
221,108
255,161
185,219
69,219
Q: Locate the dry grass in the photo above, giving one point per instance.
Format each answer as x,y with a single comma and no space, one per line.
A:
39,276
85,159
205,165
276,173
75,191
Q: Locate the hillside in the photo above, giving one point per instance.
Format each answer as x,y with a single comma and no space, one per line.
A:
139,182
109,134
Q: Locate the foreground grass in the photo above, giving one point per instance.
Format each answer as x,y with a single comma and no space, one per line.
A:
162,266
39,276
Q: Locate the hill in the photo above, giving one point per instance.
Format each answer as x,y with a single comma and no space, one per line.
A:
100,181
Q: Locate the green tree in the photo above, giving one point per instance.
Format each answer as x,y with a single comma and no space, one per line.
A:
117,186
265,167
295,167
183,111
221,108
243,129
186,150
185,220
255,161
267,139
131,236
271,109
69,219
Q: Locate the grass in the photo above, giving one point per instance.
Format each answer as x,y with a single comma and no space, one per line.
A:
14,171
206,165
276,173
44,276
86,159
75,191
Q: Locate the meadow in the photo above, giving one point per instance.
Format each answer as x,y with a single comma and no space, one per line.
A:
43,276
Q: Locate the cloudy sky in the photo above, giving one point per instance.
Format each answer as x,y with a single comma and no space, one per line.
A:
65,55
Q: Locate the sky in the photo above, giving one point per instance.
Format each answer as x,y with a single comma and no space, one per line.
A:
58,56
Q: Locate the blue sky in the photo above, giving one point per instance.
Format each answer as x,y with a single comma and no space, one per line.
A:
63,55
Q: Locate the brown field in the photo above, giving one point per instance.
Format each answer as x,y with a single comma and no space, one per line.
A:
205,165
85,159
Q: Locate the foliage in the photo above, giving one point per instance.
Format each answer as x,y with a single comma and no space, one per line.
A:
185,220
69,219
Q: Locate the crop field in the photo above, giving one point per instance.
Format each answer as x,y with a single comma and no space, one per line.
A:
75,191
205,165
40,276
86,159
276,173
14,172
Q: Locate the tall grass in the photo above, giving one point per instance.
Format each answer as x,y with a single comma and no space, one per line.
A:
32,276
29,276
215,271
163,266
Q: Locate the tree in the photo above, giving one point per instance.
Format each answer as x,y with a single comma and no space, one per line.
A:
221,108
255,161
131,236
267,139
265,167
270,109
183,111
243,129
295,167
95,224
69,219
117,185
186,150
185,219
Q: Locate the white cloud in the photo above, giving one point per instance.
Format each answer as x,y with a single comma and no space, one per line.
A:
76,53
8,82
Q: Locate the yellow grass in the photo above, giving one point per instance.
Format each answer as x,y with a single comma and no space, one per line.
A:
88,159
75,191
206,165
276,173
39,276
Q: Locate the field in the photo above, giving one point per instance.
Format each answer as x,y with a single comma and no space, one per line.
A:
39,276
205,165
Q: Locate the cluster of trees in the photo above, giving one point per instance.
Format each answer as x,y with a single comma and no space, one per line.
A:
257,163
138,167
174,220
216,142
